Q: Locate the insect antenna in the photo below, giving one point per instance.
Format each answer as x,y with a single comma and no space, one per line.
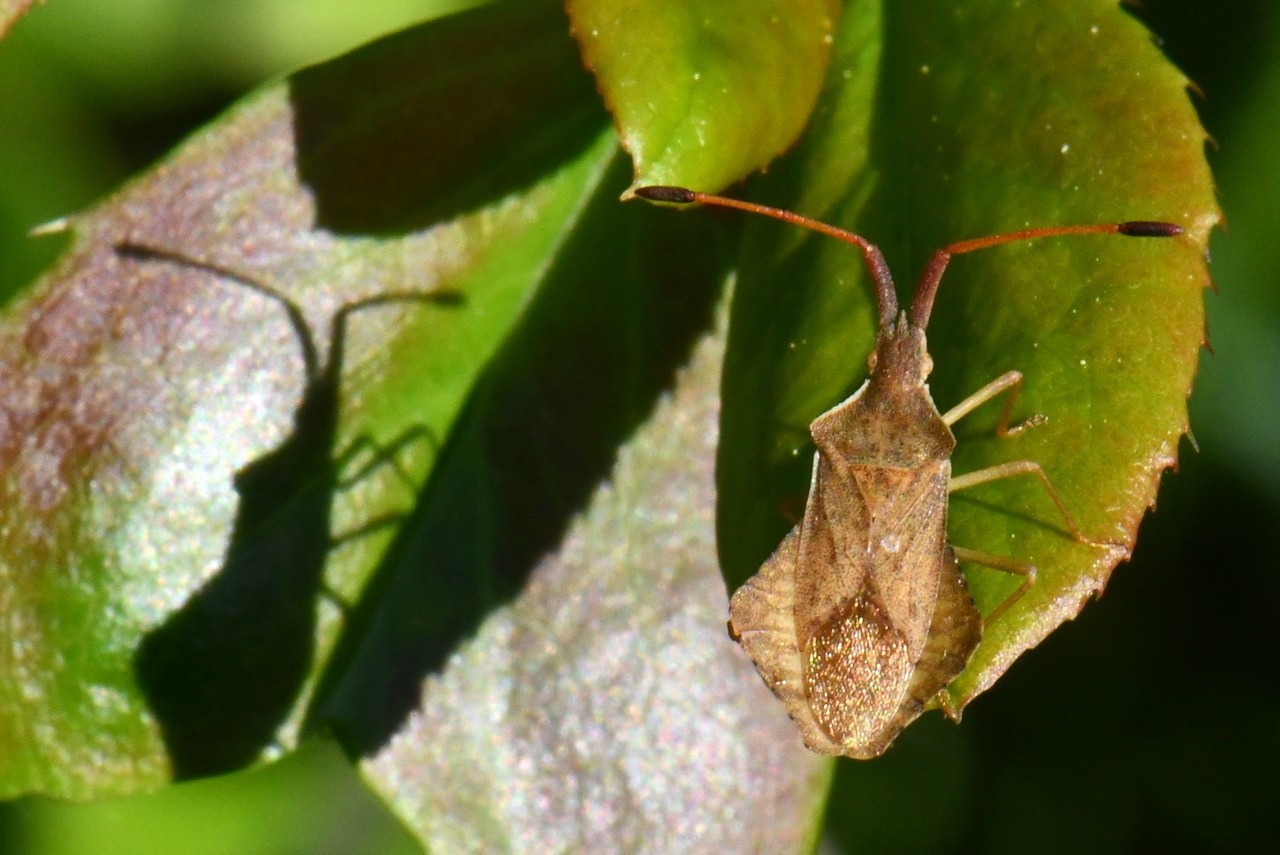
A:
886,297
927,288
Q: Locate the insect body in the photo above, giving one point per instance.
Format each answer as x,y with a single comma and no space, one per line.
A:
861,616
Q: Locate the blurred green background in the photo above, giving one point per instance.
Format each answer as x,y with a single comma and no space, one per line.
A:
1150,723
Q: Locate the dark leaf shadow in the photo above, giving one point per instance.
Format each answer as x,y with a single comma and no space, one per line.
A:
616,315
222,673
408,132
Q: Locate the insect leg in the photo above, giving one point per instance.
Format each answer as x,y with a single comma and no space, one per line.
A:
1012,469
1011,565
1010,380
1025,569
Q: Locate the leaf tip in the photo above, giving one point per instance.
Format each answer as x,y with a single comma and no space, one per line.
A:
53,227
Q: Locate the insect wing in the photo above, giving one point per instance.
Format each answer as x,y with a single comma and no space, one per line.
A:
953,635
861,616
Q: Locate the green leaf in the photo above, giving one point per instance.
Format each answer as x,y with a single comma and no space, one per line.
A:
942,123
141,584
1238,397
515,469
310,801
705,93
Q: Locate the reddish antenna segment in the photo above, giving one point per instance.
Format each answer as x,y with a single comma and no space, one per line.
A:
882,279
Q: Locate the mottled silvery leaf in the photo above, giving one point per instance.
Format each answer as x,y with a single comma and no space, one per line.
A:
606,709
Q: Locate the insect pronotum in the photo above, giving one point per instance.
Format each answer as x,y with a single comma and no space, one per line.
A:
861,615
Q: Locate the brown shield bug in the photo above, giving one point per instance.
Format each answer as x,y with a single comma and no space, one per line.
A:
861,616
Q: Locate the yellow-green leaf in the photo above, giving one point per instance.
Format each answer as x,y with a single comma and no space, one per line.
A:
705,93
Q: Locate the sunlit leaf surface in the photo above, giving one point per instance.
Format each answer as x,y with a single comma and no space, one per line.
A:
705,93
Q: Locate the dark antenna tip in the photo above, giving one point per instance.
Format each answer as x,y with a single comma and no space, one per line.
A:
665,193
1147,228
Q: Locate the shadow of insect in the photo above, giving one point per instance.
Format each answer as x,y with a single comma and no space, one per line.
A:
222,673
